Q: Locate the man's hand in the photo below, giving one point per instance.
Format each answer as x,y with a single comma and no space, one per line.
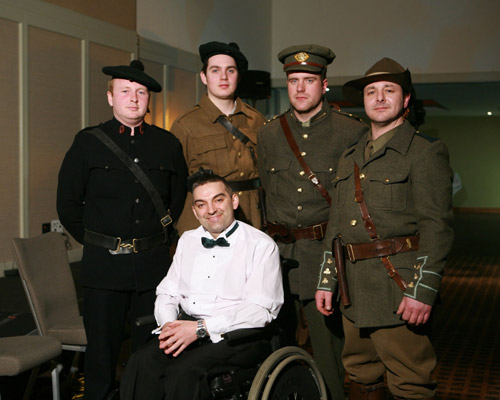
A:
324,302
413,311
176,336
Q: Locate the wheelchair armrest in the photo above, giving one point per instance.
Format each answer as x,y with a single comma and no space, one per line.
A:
244,334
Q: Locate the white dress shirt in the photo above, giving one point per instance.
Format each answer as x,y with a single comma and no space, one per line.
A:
233,287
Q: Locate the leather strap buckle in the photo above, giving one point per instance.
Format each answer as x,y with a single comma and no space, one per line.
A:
350,252
166,220
313,179
317,228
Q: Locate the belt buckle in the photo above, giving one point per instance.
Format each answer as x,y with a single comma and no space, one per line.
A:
321,232
134,245
350,252
118,245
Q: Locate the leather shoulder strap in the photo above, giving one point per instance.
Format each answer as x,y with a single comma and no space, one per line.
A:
164,214
295,149
239,134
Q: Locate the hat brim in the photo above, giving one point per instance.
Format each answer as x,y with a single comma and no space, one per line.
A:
353,90
132,74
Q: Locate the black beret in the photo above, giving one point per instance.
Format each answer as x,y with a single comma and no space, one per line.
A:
133,72
210,49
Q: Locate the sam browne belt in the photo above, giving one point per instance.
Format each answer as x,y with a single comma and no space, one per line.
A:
283,234
380,248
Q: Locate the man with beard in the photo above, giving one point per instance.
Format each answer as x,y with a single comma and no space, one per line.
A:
298,154
391,213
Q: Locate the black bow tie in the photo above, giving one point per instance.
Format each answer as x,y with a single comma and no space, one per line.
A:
222,242
209,243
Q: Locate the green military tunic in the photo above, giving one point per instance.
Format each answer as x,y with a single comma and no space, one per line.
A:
291,199
407,189
206,143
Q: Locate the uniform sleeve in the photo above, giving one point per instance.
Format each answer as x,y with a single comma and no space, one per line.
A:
178,182
71,189
327,269
431,178
180,133
261,157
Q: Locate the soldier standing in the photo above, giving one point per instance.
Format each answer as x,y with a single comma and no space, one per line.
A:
220,133
392,209
298,155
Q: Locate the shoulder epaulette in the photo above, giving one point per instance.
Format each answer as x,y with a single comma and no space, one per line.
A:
276,117
430,139
187,112
353,116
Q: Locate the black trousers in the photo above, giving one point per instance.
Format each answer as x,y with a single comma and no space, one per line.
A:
153,375
105,313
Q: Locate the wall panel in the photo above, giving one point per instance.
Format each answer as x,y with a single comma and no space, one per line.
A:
9,151
54,76
182,86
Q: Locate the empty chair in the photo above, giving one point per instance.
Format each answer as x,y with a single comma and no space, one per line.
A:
46,276
22,353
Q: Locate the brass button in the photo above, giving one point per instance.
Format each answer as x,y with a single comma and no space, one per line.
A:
354,222
387,180
303,154
242,174
299,208
239,153
273,169
234,137
300,190
136,160
299,226
330,169
302,173
305,135
240,194
362,176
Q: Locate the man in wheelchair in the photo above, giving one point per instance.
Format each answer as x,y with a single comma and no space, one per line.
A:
225,276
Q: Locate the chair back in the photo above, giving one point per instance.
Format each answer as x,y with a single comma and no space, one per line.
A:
49,285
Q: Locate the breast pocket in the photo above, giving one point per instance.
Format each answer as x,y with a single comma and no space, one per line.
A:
276,168
341,185
106,178
160,174
213,150
389,189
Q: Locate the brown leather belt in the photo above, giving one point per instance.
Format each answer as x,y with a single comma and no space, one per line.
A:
241,186
380,248
283,234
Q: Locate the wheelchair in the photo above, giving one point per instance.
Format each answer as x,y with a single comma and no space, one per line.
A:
287,373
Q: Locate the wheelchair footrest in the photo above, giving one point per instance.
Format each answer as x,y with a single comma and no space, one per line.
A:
232,385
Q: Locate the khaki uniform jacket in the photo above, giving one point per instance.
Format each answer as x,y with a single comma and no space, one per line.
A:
407,189
206,143
291,199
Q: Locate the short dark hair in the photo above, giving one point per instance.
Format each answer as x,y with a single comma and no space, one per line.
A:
204,176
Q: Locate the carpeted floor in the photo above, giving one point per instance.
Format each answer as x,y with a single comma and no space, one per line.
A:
466,328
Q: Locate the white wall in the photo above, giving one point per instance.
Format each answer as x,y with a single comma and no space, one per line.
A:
185,24
445,40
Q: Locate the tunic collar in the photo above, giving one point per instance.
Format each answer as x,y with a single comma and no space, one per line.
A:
213,111
324,112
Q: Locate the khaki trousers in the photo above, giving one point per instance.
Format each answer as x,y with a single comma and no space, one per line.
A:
403,353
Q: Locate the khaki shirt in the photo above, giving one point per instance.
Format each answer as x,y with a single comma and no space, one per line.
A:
291,199
407,188
206,143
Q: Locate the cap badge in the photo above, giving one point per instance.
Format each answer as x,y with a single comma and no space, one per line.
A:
301,57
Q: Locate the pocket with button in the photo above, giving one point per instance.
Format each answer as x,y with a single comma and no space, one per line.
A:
388,189
213,150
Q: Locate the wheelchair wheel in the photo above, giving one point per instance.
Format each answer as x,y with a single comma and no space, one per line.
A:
288,373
